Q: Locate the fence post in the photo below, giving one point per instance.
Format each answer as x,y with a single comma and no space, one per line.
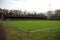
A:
50,34
28,35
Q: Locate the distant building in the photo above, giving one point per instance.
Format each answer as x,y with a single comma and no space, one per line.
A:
49,14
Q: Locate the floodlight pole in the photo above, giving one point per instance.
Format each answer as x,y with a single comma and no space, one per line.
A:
2,16
50,7
58,15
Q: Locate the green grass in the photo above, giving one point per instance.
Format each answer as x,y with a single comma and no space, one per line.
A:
33,25
14,33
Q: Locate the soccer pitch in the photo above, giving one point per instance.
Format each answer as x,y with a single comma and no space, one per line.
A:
15,32
33,25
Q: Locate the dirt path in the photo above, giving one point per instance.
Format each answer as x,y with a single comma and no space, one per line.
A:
3,35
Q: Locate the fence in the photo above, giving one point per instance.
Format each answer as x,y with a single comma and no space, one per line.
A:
17,33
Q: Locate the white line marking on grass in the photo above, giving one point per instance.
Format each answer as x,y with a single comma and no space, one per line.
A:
44,29
21,28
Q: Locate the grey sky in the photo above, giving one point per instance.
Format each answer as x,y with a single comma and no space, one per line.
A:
30,5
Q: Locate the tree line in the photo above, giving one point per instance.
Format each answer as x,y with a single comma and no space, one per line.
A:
19,14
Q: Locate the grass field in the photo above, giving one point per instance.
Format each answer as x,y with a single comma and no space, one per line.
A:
34,25
31,25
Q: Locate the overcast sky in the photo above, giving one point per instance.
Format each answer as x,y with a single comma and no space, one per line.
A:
30,5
